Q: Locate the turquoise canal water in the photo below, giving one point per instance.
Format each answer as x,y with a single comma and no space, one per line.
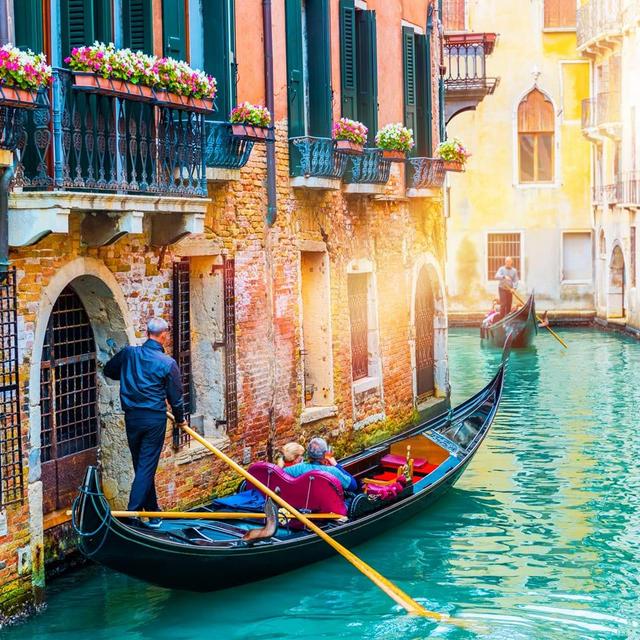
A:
540,538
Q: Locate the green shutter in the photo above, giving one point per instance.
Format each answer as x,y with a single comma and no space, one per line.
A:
423,93
348,63
295,80
137,23
367,71
28,25
410,89
319,68
83,22
174,29
218,19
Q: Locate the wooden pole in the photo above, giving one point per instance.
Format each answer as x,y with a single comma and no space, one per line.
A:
395,593
539,319
212,515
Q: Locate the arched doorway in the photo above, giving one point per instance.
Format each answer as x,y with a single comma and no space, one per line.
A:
615,307
424,344
68,401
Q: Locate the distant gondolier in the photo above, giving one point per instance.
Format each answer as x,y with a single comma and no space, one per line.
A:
148,379
507,275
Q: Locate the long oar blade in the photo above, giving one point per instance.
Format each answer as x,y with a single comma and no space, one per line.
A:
379,580
539,319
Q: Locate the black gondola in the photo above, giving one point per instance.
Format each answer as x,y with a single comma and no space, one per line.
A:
521,323
199,555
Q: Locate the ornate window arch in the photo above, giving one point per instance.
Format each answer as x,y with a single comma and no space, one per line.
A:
536,138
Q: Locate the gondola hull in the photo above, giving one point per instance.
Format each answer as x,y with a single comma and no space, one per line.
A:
522,323
175,565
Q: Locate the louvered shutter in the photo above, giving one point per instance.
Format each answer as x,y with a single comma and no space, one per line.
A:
83,22
295,80
319,68
137,25
423,97
174,29
28,25
218,18
367,57
409,60
348,66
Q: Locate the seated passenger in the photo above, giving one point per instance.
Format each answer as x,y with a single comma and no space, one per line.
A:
493,315
321,459
291,453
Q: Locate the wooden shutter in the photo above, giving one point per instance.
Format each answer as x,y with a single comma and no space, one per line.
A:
84,22
410,89
28,25
348,62
422,135
174,29
319,68
295,73
367,57
218,19
559,14
137,31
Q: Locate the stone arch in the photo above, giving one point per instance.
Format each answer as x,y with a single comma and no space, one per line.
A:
616,289
427,266
108,314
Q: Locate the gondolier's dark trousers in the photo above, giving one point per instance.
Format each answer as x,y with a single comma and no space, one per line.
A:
145,435
506,298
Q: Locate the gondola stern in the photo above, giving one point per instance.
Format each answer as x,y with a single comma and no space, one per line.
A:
90,511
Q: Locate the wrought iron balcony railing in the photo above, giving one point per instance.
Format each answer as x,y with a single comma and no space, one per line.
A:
96,142
319,158
613,192
598,19
588,113
465,61
223,149
369,168
11,127
426,173
631,188
608,108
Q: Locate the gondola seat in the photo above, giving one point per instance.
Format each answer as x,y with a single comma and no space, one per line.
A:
314,491
421,466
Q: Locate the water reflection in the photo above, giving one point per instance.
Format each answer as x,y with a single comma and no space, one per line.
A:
538,540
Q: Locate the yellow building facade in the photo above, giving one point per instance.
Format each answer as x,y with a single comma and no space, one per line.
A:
525,192
609,39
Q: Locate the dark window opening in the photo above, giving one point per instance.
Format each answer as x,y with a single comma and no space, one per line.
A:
358,292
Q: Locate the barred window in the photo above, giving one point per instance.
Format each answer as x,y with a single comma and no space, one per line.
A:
358,290
499,247
182,338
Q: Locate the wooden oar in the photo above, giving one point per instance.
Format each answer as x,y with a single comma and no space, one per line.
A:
539,319
379,580
212,515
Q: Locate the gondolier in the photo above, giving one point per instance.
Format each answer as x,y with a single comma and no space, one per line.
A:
507,277
148,379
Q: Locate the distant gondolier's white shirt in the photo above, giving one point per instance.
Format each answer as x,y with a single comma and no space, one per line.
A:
504,272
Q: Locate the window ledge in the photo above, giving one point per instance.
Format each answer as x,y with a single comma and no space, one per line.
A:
364,188
434,193
559,30
310,182
537,185
365,422
366,384
311,414
219,174
575,282
196,451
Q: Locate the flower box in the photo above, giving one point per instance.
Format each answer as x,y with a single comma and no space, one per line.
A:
394,155
176,101
451,165
249,131
16,97
349,147
86,81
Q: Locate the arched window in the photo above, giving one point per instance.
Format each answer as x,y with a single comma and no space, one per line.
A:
535,138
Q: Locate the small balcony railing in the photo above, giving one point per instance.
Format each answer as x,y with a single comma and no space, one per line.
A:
465,61
631,188
369,168
613,192
96,142
426,173
11,127
598,19
318,158
223,149
608,108
588,113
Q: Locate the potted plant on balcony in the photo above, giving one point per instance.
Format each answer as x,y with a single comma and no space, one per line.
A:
453,154
22,75
350,136
396,141
182,87
250,121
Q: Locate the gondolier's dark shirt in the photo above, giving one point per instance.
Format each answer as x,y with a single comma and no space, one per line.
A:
148,378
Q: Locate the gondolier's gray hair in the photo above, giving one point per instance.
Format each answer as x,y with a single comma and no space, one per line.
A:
156,326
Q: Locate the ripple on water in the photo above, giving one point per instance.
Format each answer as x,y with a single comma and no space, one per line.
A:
538,540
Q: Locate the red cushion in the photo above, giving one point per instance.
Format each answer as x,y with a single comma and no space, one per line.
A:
426,469
394,461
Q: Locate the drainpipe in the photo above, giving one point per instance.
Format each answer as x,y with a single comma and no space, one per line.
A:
268,82
430,79
443,124
5,181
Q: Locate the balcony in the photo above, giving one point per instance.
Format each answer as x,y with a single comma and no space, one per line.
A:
225,154
601,116
611,194
318,165
368,173
630,189
466,80
425,177
599,26
113,159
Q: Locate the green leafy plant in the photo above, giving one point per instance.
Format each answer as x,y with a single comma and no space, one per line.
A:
247,113
351,130
23,69
395,137
452,151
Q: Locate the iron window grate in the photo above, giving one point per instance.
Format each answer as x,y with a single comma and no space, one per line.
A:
500,246
231,389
